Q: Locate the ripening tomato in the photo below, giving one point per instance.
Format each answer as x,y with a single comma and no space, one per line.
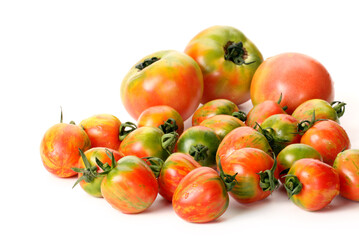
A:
242,137
328,138
103,130
312,184
347,165
60,146
250,164
174,169
296,76
321,108
222,124
157,116
228,60
130,187
163,78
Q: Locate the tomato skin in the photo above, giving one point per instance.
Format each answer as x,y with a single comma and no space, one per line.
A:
293,153
323,110
174,169
201,196
289,74
59,148
162,82
347,165
200,135
328,138
157,115
213,108
144,142
247,163
131,187
320,184
242,137
285,130
223,78
222,124
103,130
262,111
94,188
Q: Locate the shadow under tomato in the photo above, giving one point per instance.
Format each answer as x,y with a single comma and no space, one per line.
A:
339,203
160,204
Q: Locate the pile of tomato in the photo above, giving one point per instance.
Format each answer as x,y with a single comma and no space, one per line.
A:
291,137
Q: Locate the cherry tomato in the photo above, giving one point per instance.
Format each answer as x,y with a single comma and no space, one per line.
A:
347,165
297,76
163,78
312,184
222,124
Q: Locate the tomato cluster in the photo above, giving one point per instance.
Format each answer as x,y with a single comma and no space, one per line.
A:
291,137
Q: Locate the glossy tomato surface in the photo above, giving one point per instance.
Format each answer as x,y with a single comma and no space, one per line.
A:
163,78
201,196
262,111
296,76
131,187
228,60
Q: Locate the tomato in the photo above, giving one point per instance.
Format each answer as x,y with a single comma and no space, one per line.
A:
201,143
103,130
88,170
347,165
263,110
59,148
130,187
322,109
176,167
158,115
163,78
328,138
297,76
281,130
228,60
222,124
242,137
249,164
147,142
293,153
311,184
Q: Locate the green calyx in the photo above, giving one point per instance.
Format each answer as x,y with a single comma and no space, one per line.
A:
155,164
62,118
236,53
240,115
125,129
292,185
199,152
304,125
147,62
267,181
228,180
169,126
271,136
169,141
339,107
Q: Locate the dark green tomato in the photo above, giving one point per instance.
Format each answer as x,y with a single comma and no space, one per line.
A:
293,153
222,124
281,131
201,143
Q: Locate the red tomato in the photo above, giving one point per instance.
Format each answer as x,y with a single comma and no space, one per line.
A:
347,165
158,115
176,167
312,184
328,138
163,78
130,187
103,130
297,76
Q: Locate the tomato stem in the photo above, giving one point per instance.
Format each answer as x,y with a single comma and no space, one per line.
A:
240,115
169,126
199,152
124,132
228,180
169,141
89,173
236,53
292,185
268,182
156,164
339,107
147,62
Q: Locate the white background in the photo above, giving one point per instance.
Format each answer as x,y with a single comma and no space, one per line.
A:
74,54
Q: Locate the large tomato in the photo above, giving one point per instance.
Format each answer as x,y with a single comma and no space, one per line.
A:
131,186
347,165
163,78
312,184
228,60
103,130
222,124
297,76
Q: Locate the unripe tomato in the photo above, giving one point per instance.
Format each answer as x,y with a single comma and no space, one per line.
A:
222,124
